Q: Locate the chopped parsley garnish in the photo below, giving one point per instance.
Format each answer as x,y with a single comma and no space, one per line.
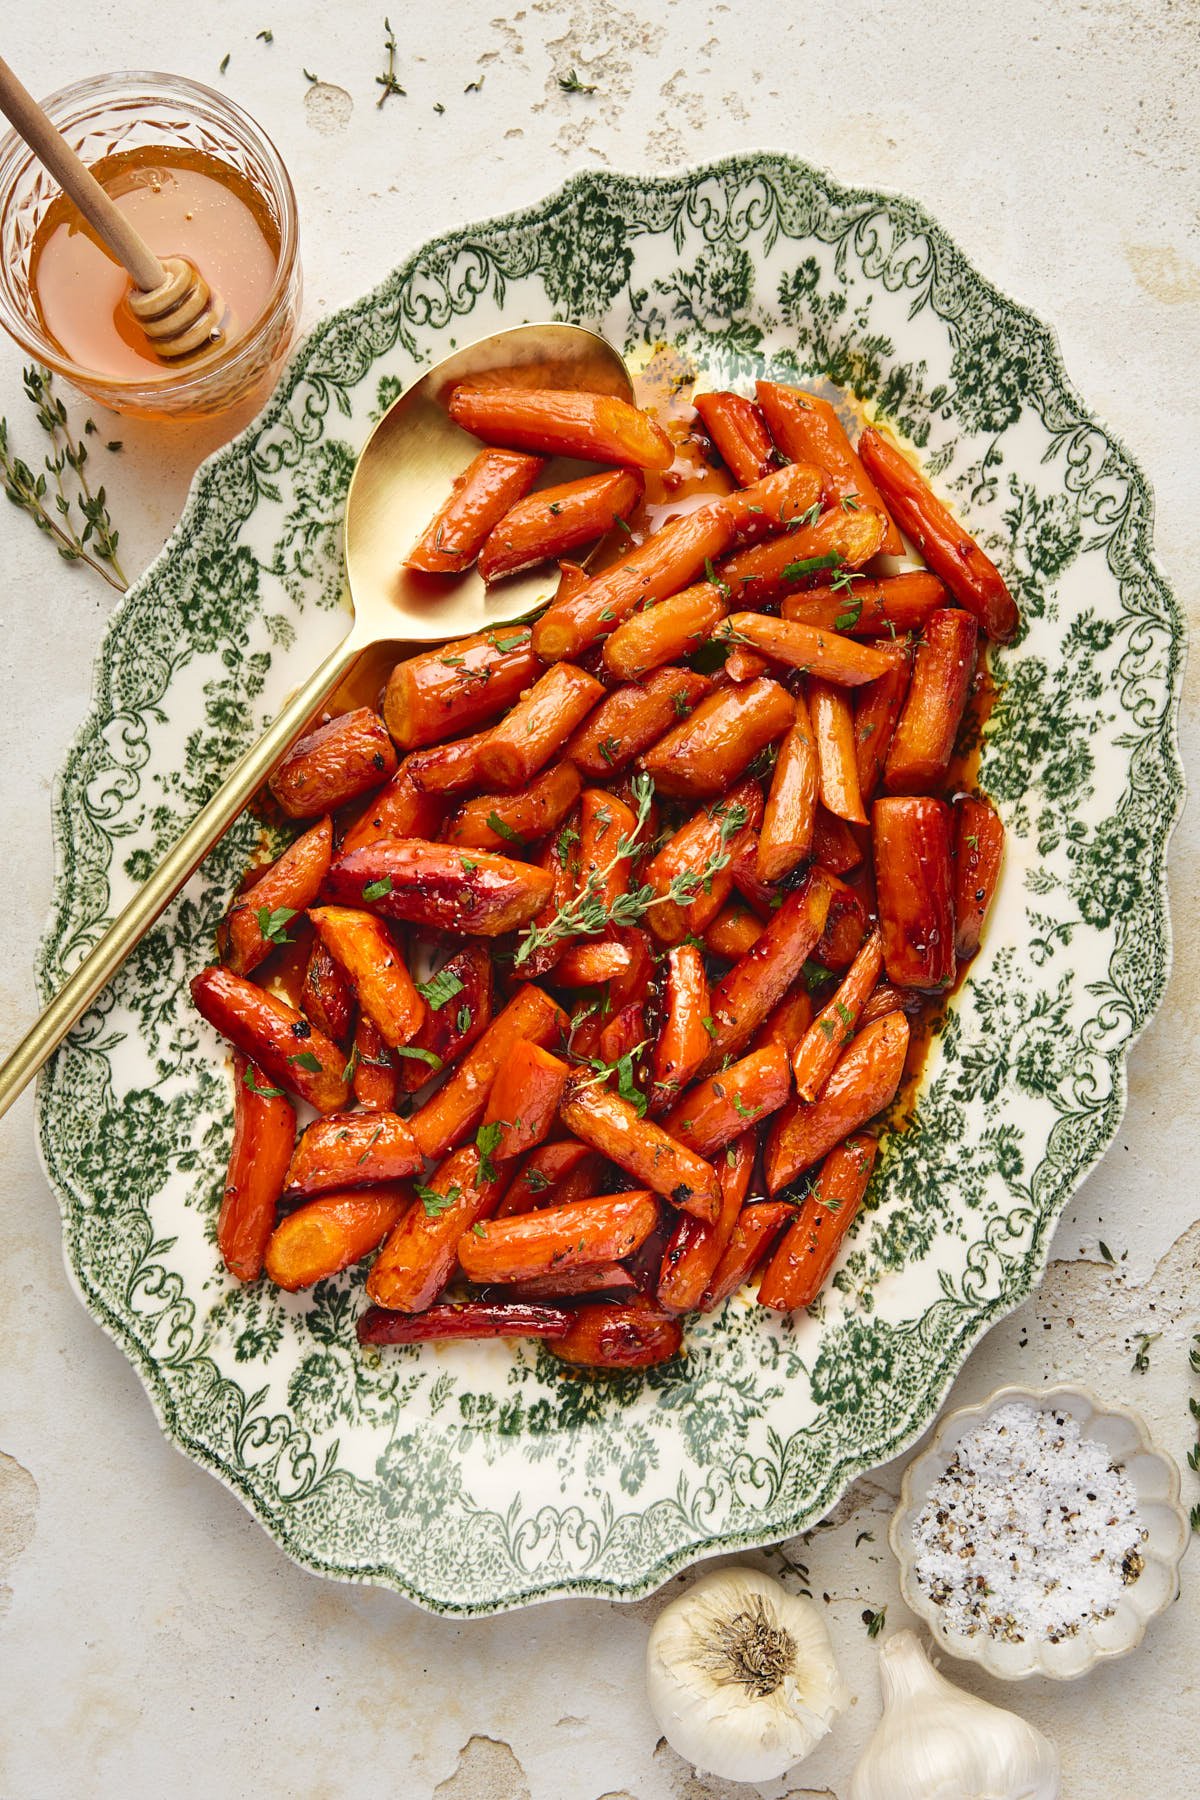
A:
375,890
440,989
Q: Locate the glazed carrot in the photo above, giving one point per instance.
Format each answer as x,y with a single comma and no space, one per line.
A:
458,1002
788,1023
259,922
371,959
352,1150
264,1130
400,809
466,1321
486,490
814,553
786,834
721,1107
694,1249
373,1071
915,887
862,1084
886,999
612,1335
496,821
872,609
329,1234
818,652
538,725
334,764
326,997
757,1227
559,857
835,1024
650,571
524,1099
710,841
604,1278
951,552
671,628
776,502
419,1257
834,844
807,429
640,1147
625,1032
762,896
739,433
920,751
602,1230
592,964
978,850
632,718
444,770
471,891
837,763
275,1036
744,665
635,982
845,926
457,1107
557,519
536,1181
755,986
734,931
447,692
796,1273
705,754
592,1175
876,710
682,1043
604,821
563,422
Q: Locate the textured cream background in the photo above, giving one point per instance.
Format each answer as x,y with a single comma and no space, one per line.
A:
152,1639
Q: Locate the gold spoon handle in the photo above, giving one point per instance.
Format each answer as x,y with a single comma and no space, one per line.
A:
131,925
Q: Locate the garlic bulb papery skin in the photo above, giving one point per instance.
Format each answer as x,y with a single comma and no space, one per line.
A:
934,1742
740,1676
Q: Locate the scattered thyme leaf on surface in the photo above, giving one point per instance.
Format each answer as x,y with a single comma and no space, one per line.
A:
571,84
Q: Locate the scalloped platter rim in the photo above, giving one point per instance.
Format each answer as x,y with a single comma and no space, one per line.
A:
488,1478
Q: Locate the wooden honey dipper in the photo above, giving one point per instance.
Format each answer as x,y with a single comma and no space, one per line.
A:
170,299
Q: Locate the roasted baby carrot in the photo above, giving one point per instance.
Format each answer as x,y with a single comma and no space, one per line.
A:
523,1103
264,1130
447,692
537,1181
862,1084
671,628
640,1147
485,491
326,997
845,926
275,1036
757,1227
259,922
834,1026
694,1249
789,1021
744,665
786,834
371,958
755,985
400,809
563,422
464,1321
872,609
538,725
834,844
632,718
705,850
557,519
815,650
807,429
457,1107
978,850
662,565
707,752
721,1107
559,857
885,999
458,1010
328,1234
814,553
373,1069
602,1230
471,891
739,433
876,710
915,889
497,821
444,770
612,1334
352,1150
734,931
593,964
796,1273
920,751
419,1257
951,552
775,503
604,823
682,1043
603,1278
334,764
625,1032
832,714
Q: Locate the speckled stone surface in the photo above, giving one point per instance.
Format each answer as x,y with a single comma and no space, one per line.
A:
152,1638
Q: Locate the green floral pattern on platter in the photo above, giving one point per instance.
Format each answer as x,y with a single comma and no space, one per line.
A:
474,1478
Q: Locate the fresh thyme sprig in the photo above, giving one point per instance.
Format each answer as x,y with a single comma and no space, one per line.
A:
571,84
52,511
387,81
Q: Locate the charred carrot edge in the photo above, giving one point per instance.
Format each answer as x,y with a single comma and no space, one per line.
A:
556,519
290,885
836,542
419,1257
669,629
797,1272
739,432
950,551
373,1069
757,1226
915,889
734,932
536,1181
837,762
452,690
371,958
274,1035
264,1130
705,754
524,1099
603,1278
632,718
455,1019
807,427
682,1042
639,1146
352,1150
476,892
488,488
978,852
786,835
694,1249
863,1083
602,1230
817,651
465,1320
882,609
326,997
616,1335
328,1234
722,1106
845,926
334,764
501,821
537,726
886,999
563,422
458,1106
835,1024
755,985
943,667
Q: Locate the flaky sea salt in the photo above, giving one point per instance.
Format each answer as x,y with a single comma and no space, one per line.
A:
1031,1532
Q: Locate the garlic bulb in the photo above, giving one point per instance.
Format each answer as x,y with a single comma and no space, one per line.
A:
741,1676
936,1743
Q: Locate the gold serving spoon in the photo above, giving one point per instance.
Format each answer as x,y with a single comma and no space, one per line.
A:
402,476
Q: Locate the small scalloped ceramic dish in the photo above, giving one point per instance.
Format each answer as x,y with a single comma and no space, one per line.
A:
1155,1481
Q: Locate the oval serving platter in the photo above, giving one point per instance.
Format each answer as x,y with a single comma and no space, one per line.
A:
478,1477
